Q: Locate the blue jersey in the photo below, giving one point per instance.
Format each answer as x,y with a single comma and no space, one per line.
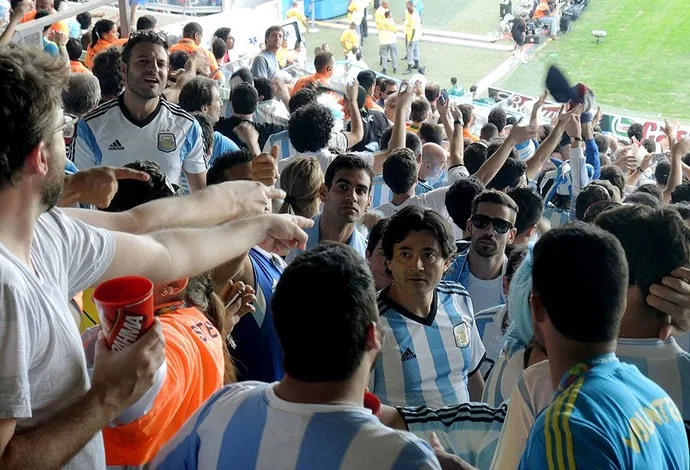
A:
221,144
246,426
357,241
606,414
258,355
426,361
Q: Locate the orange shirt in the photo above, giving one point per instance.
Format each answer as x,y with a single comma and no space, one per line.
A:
542,10
92,51
194,357
304,81
189,46
78,67
57,26
468,135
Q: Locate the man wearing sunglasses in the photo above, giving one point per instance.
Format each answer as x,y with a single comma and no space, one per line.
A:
480,267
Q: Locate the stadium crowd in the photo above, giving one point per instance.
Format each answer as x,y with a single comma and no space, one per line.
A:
358,278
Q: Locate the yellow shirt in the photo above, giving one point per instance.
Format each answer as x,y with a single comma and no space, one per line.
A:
349,40
379,16
413,23
281,57
296,13
388,31
355,11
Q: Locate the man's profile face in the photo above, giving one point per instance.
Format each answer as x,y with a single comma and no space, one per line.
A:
214,107
147,71
417,265
348,197
487,242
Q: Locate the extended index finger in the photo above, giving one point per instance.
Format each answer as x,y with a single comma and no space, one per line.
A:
131,174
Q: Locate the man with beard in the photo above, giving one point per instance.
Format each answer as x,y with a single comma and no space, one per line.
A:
345,194
265,63
431,347
480,267
51,413
140,122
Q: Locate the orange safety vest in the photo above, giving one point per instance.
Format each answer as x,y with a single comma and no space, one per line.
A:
77,67
194,356
61,26
93,50
189,46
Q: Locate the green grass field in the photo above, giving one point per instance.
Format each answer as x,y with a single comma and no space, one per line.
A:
640,68
442,61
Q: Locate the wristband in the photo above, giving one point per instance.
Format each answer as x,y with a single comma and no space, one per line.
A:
458,123
639,168
577,139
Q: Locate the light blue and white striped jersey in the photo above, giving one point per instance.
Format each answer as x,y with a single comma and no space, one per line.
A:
381,193
555,216
503,376
470,431
664,363
426,361
246,426
490,325
170,137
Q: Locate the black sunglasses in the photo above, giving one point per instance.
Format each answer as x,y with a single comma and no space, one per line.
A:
482,221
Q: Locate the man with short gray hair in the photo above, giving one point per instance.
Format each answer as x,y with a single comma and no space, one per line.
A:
82,94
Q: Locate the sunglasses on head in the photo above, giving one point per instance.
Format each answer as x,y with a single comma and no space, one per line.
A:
482,221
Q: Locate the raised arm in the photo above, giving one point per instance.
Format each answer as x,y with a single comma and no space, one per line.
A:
175,254
397,141
211,206
18,12
547,147
675,176
493,164
356,133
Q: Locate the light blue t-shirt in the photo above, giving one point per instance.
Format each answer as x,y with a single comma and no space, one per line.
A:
357,241
50,47
221,145
606,414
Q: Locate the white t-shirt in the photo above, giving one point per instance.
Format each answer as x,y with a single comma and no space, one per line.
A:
502,378
533,392
485,293
42,365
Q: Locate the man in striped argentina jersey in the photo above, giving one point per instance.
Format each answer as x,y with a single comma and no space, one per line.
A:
431,347
314,417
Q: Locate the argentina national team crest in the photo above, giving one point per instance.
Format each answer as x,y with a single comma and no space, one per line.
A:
166,142
462,335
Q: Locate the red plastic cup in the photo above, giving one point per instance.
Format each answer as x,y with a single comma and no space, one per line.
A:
125,308
373,403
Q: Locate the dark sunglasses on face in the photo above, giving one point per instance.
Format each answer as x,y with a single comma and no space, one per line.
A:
482,221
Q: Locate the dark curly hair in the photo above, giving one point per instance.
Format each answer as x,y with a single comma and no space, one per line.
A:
310,127
132,193
459,199
106,68
415,218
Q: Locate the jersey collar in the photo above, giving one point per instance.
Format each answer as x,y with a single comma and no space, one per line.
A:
579,369
428,321
130,118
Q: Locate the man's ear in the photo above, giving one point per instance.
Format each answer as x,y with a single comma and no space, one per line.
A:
37,159
511,236
468,226
123,70
374,337
323,193
537,308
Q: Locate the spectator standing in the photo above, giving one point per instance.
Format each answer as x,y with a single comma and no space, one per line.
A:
317,407
265,63
139,122
192,33
413,34
297,13
103,36
201,94
388,40
350,39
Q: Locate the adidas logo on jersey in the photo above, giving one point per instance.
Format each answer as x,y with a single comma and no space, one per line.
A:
408,355
116,146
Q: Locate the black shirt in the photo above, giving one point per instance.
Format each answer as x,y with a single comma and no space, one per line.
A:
265,130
